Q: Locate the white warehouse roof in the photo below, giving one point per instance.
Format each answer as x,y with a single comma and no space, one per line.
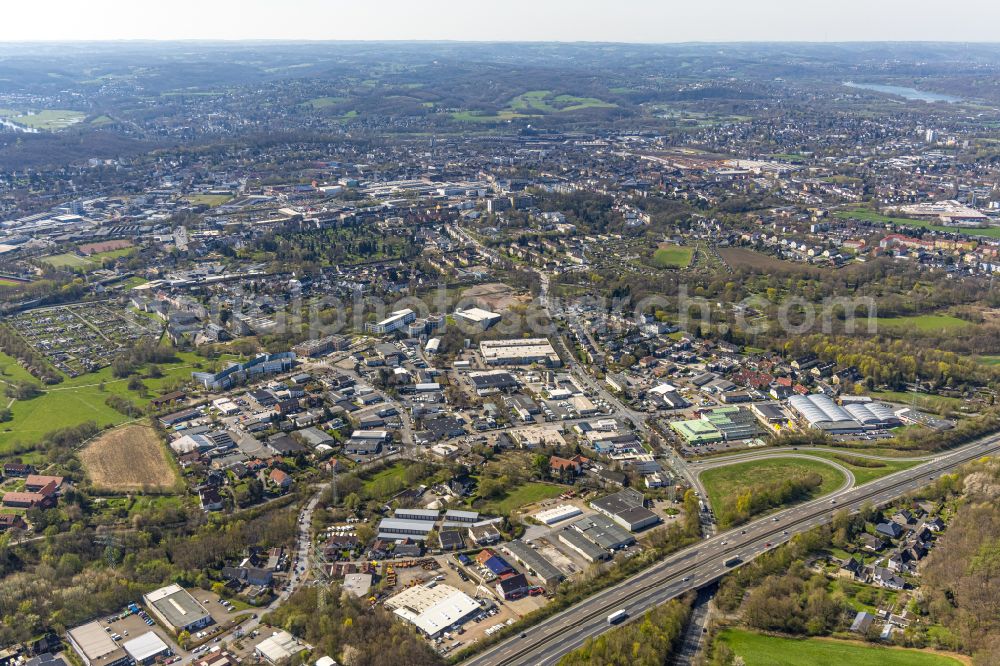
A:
818,408
145,647
433,609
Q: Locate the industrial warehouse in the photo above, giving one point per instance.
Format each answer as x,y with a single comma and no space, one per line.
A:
820,412
432,609
177,609
519,352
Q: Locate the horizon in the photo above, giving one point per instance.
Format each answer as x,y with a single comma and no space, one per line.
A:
583,21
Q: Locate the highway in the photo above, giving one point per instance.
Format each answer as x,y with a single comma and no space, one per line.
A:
703,563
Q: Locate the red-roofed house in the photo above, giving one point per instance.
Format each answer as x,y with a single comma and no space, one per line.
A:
280,479
35,482
574,464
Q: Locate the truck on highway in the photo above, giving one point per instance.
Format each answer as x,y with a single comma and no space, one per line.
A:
732,561
617,616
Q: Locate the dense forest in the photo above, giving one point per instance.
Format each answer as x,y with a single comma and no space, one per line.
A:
961,587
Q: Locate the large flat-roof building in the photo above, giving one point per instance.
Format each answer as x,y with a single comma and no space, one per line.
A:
279,647
573,538
399,528
146,648
627,508
478,317
820,412
697,432
603,532
530,558
394,322
433,609
177,609
238,373
95,646
519,352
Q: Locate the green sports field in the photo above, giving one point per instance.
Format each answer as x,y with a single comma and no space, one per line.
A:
672,257
760,650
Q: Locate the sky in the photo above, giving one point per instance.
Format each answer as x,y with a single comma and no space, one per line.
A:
506,20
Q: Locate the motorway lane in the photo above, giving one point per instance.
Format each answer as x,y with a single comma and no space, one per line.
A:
851,453
702,563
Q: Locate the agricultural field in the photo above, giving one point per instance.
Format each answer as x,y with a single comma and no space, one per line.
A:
760,650
922,323
672,256
738,257
724,483
48,120
127,459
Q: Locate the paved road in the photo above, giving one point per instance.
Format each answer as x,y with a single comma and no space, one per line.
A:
703,563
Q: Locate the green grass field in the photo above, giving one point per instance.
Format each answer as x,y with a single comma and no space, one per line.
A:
11,371
872,216
522,495
324,102
134,282
929,403
210,200
729,481
760,650
73,261
989,360
47,119
396,470
80,399
533,103
672,257
922,323
4,282
863,474
479,117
